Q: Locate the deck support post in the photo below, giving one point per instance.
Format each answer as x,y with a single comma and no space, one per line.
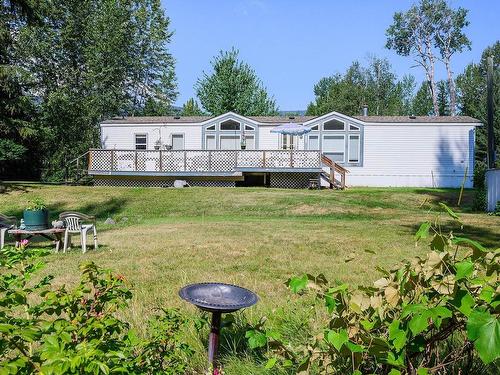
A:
291,158
112,159
185,157
160,163
263,159
135,161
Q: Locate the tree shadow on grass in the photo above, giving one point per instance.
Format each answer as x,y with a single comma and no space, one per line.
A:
450,197
101,210
483,235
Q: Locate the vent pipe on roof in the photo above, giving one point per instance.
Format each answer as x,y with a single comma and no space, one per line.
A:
365,110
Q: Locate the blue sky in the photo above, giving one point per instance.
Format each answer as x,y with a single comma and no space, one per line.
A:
292,44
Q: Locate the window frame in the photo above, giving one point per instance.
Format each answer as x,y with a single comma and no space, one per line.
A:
214,136
238,135
349,160
334,130
331,152
145,135
230,130
183,140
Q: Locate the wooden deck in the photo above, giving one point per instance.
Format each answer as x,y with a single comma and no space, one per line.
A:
215,165
201,162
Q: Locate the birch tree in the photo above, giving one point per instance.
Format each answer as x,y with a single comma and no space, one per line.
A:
413,33
450,39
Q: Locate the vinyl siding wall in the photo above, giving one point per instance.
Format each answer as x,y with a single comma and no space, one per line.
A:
123,137
420,156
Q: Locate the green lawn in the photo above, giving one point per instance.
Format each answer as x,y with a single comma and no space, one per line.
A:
254,237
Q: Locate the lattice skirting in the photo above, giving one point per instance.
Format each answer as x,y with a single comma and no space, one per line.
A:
291,180
125,182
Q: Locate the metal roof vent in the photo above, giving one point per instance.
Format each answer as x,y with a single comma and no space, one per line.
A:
413,117
177,117
365,110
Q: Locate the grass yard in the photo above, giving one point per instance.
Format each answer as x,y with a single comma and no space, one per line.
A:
254,237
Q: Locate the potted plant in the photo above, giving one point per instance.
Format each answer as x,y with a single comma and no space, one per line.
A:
36,215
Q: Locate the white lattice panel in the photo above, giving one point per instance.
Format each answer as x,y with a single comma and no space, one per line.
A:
100,160
197,161
305,159
278,159
172,161
223,161
250,159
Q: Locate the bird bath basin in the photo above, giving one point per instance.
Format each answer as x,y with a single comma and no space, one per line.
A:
217,298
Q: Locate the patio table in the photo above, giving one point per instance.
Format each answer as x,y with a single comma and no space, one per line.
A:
52,234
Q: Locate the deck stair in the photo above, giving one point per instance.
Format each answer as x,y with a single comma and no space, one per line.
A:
76,171
336,176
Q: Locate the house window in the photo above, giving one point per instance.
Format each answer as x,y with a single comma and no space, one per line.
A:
177,141
210,143
354,148
230,125
315,127
211,127
313,142
334,125
141,141
230,142
334,147
250,128
287,142
354,128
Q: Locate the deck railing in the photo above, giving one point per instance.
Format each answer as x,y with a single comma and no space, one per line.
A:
200,160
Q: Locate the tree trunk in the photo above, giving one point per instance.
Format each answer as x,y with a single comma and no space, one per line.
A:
451,88
433,88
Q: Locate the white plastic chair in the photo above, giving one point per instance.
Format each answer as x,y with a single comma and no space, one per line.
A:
6,223
75,224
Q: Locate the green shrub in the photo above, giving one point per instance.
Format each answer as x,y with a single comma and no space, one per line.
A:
435,314
54,331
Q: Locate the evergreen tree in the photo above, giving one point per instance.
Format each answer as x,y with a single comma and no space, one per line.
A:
443,98
191,108
422,102
471,89
91,60
233,86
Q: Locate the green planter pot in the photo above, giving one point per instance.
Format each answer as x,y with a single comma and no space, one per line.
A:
36,220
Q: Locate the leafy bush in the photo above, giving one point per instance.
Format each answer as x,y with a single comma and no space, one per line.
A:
431,315
55,331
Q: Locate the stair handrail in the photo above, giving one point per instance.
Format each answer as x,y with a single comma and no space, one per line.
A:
77,162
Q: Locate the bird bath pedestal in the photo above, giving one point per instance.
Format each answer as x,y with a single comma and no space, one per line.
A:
217,298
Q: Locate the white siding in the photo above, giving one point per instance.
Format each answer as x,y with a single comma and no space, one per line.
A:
420,155
123,136
493,186
268,140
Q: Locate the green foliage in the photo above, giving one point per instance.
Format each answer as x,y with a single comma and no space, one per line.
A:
191,108
36,204
422,101
54,331
233,86
83,62
471,87
431,314
431,30
375,86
